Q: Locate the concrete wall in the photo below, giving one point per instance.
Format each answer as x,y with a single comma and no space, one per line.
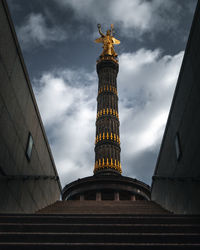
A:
25,186
176,181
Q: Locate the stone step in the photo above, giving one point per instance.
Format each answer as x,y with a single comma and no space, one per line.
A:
101,237
104,207
101,219
104,211
100,228
97,246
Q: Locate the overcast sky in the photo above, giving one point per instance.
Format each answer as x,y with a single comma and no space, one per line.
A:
56,38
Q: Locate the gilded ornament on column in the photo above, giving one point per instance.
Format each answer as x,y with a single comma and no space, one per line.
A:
108,42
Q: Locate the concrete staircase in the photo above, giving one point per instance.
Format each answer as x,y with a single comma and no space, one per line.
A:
100,225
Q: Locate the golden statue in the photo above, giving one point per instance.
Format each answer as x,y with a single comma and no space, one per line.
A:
108,41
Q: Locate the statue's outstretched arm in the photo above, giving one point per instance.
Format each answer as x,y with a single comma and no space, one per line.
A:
100,32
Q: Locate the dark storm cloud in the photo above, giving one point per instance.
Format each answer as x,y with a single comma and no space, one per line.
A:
140,167
35,31
166,25
144,20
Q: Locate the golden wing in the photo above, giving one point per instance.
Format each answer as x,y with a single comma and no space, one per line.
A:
99,40
115,41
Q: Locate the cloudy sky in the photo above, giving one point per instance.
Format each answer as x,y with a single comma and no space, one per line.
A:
56,38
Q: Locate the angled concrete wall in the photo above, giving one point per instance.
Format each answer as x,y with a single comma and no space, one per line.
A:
25,185
176,181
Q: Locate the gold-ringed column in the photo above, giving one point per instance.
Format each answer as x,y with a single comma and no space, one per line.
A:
107,141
